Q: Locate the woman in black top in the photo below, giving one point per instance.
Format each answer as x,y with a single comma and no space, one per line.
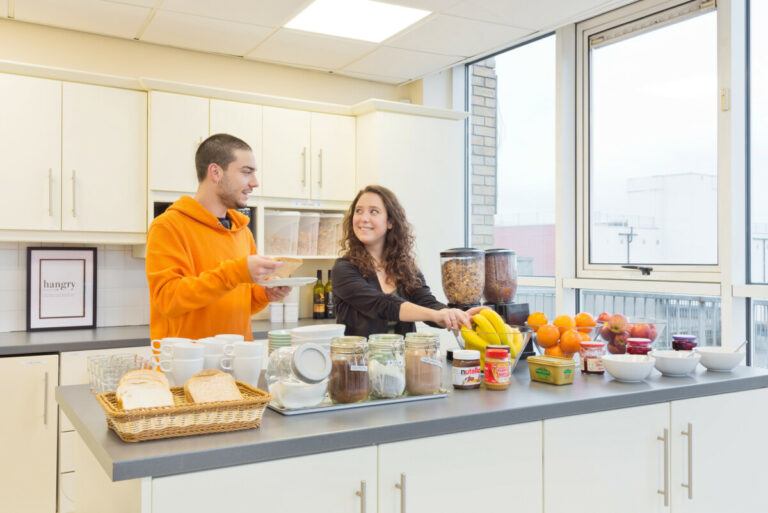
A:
377,287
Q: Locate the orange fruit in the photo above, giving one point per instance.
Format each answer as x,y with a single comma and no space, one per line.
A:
564,322
554,351
585,322
547,335
537,319
585,337
570,341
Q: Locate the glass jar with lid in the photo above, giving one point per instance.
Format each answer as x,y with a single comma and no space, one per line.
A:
591,355
348,382
423,363
500,275
638,345
297,376
386,365
463,275
683,342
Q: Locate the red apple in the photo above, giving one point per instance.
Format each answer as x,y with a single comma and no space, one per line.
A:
613,349
617,323
603,317
620,341
606,333
653,334
641,330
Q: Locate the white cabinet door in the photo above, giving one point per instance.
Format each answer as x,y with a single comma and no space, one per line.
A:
30,145
725,462
286,153
242,120
333,157
28,434
104,164
464,471
177,125
322,483
606,462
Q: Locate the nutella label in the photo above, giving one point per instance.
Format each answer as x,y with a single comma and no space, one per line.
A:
436,363
466,375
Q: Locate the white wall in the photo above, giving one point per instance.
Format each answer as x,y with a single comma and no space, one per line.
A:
122,296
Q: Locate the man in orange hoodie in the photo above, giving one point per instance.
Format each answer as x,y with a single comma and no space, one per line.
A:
201,257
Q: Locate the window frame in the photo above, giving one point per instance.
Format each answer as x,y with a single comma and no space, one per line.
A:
676,273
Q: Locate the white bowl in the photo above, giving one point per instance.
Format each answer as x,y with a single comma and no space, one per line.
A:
319,330
675,363
721,359
630,368
298,395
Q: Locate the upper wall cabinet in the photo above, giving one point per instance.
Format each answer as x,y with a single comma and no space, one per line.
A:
308,155
75,157
104,159
177,125
30,143
242,120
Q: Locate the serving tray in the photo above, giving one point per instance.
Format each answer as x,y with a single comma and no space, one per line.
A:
328,405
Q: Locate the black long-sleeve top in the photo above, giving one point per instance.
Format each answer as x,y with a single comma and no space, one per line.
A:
364,308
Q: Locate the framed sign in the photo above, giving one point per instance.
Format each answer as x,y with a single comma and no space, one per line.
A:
61,288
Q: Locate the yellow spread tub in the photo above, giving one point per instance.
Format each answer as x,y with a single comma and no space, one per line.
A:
551,369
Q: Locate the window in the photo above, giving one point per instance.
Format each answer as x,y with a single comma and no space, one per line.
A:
512,141
758,130
649,142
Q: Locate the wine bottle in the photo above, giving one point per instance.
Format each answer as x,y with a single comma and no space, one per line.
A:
318,297
330,308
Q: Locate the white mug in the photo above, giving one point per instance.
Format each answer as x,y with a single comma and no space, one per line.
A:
159,345
215,345
218,361
248,349
183,351
181,370
247,370
231,337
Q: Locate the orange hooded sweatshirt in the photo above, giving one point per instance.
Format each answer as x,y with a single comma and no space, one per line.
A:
199,284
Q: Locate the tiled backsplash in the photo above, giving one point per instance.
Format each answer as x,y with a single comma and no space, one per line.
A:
122,297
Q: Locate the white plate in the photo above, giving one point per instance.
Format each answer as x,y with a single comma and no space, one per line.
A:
287,282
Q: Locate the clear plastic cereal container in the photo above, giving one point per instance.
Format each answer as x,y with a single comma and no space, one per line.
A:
281,232
329,234
308,226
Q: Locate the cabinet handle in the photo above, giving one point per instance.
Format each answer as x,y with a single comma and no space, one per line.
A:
665,491
50,192
304,176
45,400
74,182
689,434
401,486
362,494
320,171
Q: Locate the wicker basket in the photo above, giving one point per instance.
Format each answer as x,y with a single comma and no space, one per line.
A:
185,418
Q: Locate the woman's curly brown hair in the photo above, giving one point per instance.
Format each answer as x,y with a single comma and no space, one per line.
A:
398,260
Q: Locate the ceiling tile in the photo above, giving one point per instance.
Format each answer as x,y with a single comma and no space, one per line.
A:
405,64
94,16
204,34
372,78
524,13
140,3
267,13
305,49
427,5
450,35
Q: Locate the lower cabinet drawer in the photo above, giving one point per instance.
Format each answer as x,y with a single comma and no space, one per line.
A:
67,451
67,493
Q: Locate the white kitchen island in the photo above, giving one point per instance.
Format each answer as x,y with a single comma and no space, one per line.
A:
594,446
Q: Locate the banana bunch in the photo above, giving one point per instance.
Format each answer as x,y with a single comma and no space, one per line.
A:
490,329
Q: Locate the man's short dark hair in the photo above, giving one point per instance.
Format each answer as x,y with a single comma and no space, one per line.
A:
217,149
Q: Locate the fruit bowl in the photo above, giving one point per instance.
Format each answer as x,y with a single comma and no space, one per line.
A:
616,329
554,341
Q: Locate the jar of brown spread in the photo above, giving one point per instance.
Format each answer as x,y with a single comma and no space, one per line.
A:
348,381
423,363
466,372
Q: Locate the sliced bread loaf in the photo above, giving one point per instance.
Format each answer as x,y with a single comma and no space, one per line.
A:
210,386
143,389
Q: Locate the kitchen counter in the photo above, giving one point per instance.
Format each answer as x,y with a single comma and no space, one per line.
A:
19,343
284,437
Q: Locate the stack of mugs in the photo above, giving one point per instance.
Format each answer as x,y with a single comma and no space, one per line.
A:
181,358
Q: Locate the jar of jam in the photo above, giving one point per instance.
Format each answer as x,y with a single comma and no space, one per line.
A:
498,369
638,345
591,356
684,342
348,382
467,373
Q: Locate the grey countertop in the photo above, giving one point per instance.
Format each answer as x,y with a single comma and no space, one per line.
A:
19,343
463,410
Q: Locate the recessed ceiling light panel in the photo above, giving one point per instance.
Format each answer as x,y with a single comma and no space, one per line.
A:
356,19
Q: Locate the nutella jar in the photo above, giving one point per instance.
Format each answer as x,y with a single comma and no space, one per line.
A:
466,369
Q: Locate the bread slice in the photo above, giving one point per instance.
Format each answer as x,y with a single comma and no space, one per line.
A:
290,264
143,389
210,386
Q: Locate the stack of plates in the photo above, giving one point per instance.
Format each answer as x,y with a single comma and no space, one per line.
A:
278,338
317,334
